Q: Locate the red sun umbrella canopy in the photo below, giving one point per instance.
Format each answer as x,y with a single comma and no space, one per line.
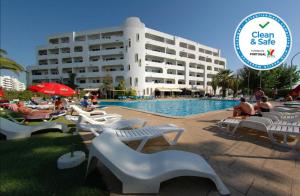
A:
52,89
1,92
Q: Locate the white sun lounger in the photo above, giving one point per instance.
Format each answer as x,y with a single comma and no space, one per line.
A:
144,133
286,109
143,173
92,123
94,112
277,118
13,130
266,125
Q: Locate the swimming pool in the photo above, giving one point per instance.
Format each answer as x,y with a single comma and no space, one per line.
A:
180,108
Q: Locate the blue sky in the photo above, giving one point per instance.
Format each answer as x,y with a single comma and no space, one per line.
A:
26,24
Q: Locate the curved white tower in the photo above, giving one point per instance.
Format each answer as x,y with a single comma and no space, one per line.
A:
134,58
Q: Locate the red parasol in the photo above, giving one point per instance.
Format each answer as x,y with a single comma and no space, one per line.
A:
1,92
52,89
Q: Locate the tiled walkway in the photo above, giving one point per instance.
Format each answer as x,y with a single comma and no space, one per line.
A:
247,163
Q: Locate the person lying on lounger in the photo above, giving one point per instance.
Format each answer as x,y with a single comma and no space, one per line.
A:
264,105
243,109
28,111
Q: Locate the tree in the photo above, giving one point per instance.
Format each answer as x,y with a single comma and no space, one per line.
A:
107,85
224,78
6,63
71,82
121,85
235,84
279,77
214,84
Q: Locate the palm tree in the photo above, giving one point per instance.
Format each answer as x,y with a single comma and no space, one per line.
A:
235,84
107,85
6,63
224,78
214,84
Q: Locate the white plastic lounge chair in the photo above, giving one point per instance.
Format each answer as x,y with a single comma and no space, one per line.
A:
266,125
100,118
94,112
40,107
96,123
286,109
286,116
124,130
278,119
13,130
143,173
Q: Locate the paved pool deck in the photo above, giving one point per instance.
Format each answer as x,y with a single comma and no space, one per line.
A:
248,163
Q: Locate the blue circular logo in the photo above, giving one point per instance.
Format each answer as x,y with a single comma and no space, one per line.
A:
262,41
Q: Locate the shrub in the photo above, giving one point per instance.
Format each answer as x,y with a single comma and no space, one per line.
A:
131,92
22,95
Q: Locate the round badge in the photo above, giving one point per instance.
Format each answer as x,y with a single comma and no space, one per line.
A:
262,41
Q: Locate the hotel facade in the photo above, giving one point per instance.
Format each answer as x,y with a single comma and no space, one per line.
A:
146,59
11,83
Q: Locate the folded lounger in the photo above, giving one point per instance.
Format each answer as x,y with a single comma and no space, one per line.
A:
143,173
13,130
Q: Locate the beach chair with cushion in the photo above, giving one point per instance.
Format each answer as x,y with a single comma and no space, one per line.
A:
14,130
94,112
143,173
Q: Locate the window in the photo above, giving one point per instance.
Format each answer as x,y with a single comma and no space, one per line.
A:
78,49
136,82
130,81
128,67
144,92
216,69
81,70
137,37
42,52
129,43
140,62
147,91
82,81
209,68
136,57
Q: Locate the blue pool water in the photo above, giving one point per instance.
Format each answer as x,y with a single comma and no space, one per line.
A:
183,107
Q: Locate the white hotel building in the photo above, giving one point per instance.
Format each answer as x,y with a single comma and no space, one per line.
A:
146,59
11,83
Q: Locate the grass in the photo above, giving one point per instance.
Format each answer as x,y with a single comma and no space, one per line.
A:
28,166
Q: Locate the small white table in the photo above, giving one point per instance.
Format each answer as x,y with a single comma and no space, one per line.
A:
66,161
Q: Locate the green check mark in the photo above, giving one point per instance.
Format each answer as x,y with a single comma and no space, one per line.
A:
263,26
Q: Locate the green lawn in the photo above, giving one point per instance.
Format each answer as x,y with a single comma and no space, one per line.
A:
28,167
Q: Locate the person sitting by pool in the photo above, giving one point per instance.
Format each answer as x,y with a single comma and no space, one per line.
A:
32,101
85,104
258,94
288,98
58,105
243,109
94,100
264,105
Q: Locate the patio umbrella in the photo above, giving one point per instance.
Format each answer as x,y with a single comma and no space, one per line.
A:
1,92
52,89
